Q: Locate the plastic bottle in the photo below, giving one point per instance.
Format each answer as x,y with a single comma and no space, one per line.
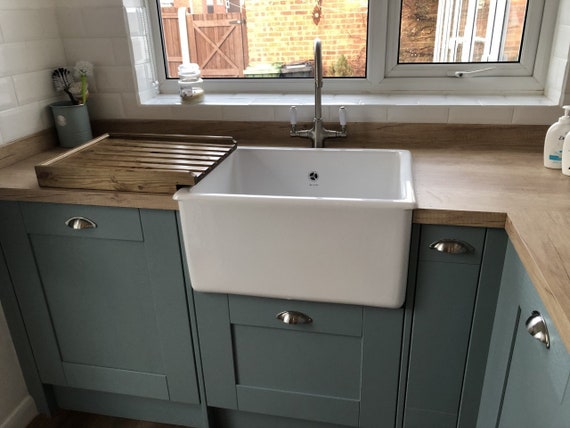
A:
554,141
566,155
190,83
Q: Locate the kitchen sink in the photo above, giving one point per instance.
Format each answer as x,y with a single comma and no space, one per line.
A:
329,225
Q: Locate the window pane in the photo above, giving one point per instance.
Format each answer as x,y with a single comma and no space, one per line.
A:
461,31
265,38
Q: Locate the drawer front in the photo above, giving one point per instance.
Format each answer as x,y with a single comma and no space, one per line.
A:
107,222
341,368
465,244
325,318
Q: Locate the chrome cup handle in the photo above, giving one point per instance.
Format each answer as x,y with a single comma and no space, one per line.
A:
451,246
537,328
293,317
79,223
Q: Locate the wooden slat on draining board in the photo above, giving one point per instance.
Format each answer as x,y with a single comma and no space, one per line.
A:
136,162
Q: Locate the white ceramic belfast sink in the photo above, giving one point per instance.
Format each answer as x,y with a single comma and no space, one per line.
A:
329,225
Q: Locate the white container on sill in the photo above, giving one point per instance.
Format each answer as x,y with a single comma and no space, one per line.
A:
191,92
190,83
189,72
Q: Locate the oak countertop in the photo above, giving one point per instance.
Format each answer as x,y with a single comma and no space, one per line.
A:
468,185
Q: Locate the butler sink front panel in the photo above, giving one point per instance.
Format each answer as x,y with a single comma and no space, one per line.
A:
310,224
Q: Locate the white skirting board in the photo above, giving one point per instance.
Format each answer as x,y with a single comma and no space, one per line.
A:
22,415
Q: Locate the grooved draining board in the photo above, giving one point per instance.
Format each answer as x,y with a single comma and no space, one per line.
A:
150,163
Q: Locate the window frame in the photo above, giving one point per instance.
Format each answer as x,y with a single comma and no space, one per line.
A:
525,66
384,75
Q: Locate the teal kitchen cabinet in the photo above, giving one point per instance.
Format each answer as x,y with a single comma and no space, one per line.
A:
331,365
526,383
457,282
102,295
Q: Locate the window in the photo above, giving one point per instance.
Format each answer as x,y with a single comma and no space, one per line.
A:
265,38
451,31
368,45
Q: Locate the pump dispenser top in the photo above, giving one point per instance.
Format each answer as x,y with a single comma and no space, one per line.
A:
554,141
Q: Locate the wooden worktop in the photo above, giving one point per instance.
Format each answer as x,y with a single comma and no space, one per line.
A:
477,182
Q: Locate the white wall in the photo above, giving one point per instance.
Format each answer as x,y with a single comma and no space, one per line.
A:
36,36
17,408
30,48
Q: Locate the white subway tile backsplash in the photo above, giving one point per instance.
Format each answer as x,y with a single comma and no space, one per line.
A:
418,114
8,97
13,59
478,115
133,3
305,113
121,51
564,12
145,77
96,51
254,113
525,115
135,18
39,35
140,53
193,112
26,4
87,3
104,22
555,81
44,54
23,25
25,120
367,113
106,106
134,110
35,86
114,79
70,22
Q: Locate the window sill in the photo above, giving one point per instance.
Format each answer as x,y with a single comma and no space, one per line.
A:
521,110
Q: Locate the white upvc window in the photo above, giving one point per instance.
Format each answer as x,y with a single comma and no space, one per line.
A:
469,53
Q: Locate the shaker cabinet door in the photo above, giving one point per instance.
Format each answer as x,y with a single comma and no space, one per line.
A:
336,364
536,392
103,296
457,282
526,383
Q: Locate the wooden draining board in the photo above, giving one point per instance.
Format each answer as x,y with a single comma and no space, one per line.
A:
150,163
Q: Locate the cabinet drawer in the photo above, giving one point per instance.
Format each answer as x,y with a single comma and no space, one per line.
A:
552,363
473,237
326,318
110,223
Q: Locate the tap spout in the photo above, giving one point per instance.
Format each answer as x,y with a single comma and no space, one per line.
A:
318,133
318,79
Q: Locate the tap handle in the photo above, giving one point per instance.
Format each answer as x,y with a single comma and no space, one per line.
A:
342,115
293,115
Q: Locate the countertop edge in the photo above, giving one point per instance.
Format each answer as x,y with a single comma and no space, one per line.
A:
541,251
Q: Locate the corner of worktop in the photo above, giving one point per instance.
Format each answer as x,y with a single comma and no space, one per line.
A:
530,243
23,148
494,220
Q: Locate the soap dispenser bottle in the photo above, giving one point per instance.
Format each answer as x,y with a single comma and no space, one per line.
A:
553,144
566,155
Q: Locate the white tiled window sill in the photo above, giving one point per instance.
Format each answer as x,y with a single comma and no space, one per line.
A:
522,110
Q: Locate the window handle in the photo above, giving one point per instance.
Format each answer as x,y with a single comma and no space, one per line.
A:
471,73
